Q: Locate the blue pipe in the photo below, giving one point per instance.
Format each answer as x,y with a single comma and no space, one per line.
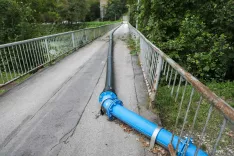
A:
114,109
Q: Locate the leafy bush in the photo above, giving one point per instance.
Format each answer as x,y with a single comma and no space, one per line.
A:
24,19
115,9
196,34
17,21
204,54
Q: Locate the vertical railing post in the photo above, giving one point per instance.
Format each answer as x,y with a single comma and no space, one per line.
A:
157,77
1,78
99,29
73,39
47,49
86,37
94,33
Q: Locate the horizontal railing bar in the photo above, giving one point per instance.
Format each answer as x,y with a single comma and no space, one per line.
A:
218,103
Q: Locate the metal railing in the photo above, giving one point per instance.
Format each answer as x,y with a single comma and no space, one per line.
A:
19,58
198,114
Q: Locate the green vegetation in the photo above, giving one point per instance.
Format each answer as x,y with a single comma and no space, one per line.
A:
168,110
96,24
18,81
25,19
115,9
196,34
165,102
2,91
23,78
225,90
133,46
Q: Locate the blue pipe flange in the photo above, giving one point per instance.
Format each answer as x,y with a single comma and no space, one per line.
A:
182,150
110,108
108,100
107,95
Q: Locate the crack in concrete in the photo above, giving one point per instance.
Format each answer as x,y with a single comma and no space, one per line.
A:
72,131
138,107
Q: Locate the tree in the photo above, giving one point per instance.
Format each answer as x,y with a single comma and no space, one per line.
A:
24,19
15,21
74,10
197,34
94,12
115,9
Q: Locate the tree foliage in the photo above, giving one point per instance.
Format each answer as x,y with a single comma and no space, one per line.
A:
94,12
15,21
115,9
23,19
197,34
74,10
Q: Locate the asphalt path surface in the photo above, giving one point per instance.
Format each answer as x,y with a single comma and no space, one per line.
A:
55,112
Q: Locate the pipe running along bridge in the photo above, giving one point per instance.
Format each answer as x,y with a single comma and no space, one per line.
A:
56,111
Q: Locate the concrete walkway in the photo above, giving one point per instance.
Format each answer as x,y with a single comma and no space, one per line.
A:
55,111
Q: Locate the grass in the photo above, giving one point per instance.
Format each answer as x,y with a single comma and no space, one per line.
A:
16,82
133,46
8,76
168,109
224,89
23,78
2,91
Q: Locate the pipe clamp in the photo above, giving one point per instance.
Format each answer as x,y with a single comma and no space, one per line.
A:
154,136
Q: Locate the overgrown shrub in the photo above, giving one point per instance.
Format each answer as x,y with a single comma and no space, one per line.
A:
196,34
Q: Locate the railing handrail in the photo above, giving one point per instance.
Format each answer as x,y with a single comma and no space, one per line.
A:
48,36
219,103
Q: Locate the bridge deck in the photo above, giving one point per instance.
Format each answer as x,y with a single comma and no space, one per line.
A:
54,112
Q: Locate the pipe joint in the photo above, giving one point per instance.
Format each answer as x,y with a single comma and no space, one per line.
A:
182,150
106,95
108,100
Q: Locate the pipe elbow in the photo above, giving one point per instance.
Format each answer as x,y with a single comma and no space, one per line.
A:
108,100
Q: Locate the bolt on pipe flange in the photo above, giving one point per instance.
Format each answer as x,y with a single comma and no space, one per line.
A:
182,150
108,100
